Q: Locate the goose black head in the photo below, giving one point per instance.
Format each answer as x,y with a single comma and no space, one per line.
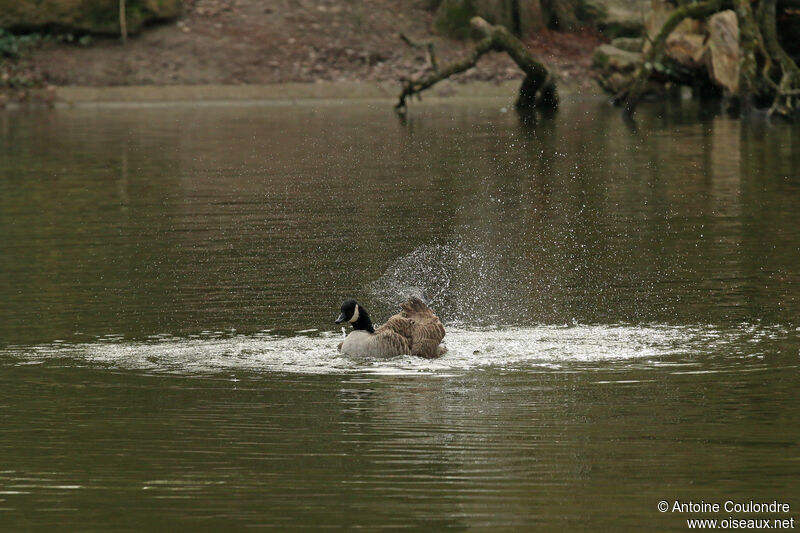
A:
355,315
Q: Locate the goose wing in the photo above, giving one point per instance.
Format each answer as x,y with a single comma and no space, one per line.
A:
394,337
425,329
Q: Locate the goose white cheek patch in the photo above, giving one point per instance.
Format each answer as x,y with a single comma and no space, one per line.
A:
355,316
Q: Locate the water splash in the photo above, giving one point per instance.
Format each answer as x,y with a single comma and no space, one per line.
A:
425,272
462,284
469,349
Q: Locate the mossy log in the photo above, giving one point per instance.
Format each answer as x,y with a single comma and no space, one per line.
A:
538,90
767,72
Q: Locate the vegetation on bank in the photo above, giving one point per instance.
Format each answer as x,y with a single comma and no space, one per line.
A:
15,72
94,17
26,24
12,46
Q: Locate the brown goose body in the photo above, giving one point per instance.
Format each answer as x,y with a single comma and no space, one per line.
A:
415,330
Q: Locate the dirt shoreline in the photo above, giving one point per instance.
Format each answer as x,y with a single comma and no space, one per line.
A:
307,47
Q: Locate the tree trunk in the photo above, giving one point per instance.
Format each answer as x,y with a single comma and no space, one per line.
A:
749,37
521,17
563,13
123,23
787,91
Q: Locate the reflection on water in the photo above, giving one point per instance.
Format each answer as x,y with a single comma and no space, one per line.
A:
146,221
621,307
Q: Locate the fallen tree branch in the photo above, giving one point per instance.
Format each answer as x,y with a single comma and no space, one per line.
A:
538,90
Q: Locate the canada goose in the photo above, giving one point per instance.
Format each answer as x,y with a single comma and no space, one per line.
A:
415,330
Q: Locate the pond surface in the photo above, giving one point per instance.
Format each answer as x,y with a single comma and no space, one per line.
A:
621,303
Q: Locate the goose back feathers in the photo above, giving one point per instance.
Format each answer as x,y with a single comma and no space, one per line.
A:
415,330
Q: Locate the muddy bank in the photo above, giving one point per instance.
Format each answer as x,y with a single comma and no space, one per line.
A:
248,42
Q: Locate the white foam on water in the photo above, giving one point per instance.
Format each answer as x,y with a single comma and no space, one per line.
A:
541,346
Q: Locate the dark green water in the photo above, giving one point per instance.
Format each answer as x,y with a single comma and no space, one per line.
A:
621,304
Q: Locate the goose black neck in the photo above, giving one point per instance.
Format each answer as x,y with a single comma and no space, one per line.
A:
363,321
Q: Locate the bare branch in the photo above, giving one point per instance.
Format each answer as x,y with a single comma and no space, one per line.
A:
538,88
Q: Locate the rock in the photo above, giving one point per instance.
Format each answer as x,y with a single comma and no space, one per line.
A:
616,82
615,67
686,49
656,17
88,16
685,45
723,46
660,10
610,57
629,44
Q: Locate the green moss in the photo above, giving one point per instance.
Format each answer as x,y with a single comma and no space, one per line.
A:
12,45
